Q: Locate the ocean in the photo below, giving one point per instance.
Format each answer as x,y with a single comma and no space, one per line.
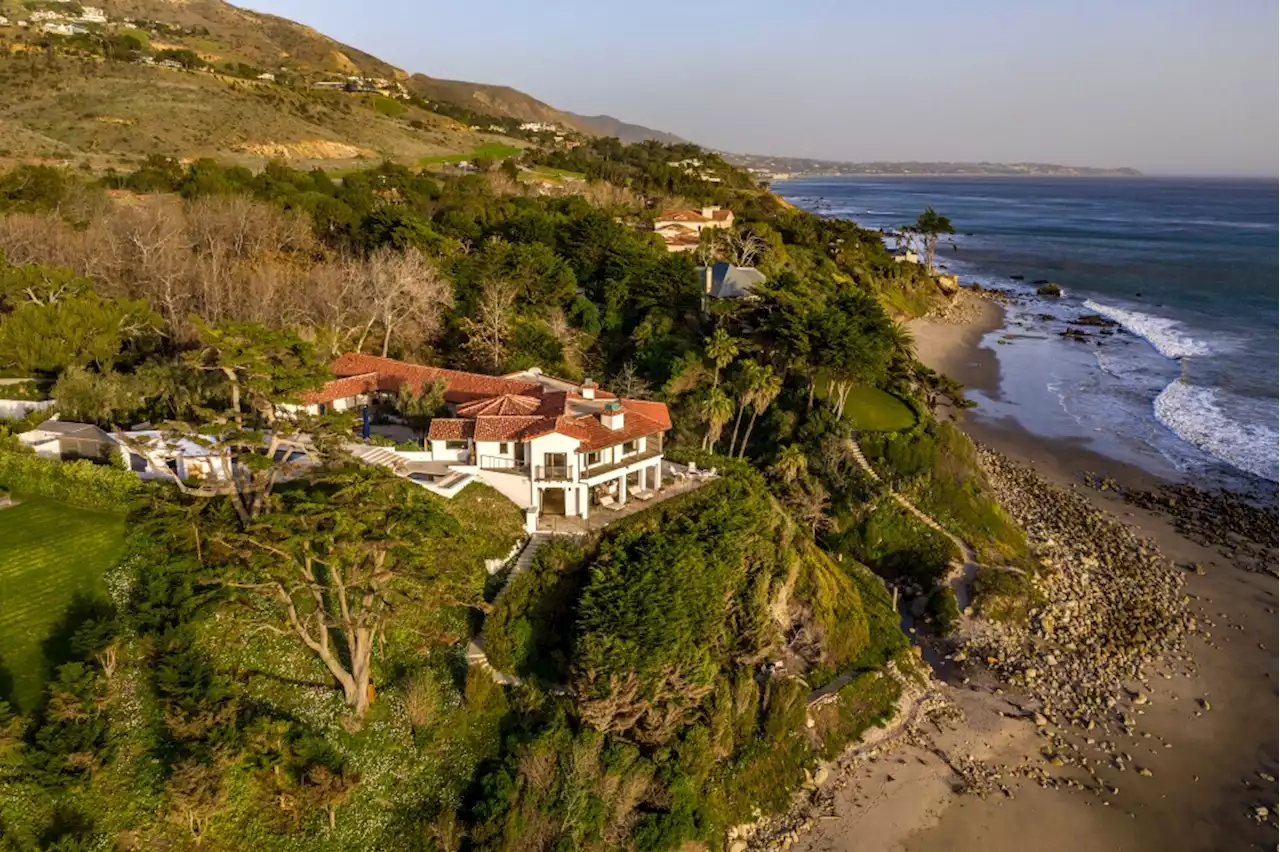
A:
1186,386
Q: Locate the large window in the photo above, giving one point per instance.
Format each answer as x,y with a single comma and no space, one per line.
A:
593,459
628,448
455,445
504,448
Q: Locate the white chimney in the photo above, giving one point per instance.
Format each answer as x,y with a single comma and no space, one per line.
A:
707,212
588,389
612,416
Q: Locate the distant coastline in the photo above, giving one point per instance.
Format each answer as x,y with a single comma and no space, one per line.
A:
790,168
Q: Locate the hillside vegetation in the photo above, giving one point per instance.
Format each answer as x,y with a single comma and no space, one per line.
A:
243,90
281,662
111,114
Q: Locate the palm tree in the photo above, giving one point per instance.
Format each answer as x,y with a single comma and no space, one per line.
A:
721,349
791,463
762,392
746,379
902,340
716,410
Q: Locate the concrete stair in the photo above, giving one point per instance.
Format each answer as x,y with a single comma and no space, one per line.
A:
380,456
476,657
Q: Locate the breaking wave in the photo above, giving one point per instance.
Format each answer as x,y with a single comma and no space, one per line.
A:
1195,415
1166,335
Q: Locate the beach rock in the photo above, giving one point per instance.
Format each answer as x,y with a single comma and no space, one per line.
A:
1016,277
1108,604
1049,289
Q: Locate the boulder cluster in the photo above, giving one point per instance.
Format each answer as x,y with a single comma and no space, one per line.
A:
1104,604
1243,531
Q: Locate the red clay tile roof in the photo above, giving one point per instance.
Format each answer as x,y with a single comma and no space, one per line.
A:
508,428
492,408
654,411
342,388
447,429
459,386
688,215
505,405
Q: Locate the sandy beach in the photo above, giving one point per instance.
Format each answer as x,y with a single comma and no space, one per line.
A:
1207,737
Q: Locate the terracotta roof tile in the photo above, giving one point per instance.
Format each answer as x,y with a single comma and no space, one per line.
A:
508,428
493,408
342,388
505,405
447,429
459,386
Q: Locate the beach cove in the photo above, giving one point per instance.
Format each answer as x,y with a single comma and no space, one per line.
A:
1193,765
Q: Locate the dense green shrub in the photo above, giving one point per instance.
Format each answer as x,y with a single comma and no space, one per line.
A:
78,483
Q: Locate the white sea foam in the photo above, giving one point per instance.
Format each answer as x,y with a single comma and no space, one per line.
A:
1196,415
1166,335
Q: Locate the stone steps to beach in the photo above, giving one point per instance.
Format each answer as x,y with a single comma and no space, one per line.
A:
476,657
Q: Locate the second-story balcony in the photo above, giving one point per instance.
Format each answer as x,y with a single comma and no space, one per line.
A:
553,472
626,461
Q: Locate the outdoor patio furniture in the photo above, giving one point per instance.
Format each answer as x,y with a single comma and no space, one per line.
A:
608,502
642,494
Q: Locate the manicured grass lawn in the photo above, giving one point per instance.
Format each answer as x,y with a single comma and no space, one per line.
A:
492,150
48,553
872,410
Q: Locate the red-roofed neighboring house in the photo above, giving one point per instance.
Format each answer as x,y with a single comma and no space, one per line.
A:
567,445
694,219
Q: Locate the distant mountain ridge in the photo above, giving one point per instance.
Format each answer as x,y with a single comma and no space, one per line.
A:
607,125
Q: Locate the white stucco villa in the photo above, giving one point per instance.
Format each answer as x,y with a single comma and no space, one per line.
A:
552,446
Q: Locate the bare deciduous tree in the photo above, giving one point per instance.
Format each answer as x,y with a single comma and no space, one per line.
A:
407,290
489,332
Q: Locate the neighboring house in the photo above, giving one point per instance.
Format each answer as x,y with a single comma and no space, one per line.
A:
682,229
679,239
551,446
694,220
267,76
92,15
725,281
67,440
63,29
904,255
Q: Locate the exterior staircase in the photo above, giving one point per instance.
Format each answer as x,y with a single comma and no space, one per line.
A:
475,651
380,456
964,570
476,657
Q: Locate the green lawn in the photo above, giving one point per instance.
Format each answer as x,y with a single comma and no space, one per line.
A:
870,409
492,150
548,173
48,553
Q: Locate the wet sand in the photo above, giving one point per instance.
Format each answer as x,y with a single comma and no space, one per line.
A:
1202,791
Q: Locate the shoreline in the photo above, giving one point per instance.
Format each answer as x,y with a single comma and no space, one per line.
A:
1208,771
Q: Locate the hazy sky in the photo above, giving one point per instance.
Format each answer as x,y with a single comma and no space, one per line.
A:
1166,86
